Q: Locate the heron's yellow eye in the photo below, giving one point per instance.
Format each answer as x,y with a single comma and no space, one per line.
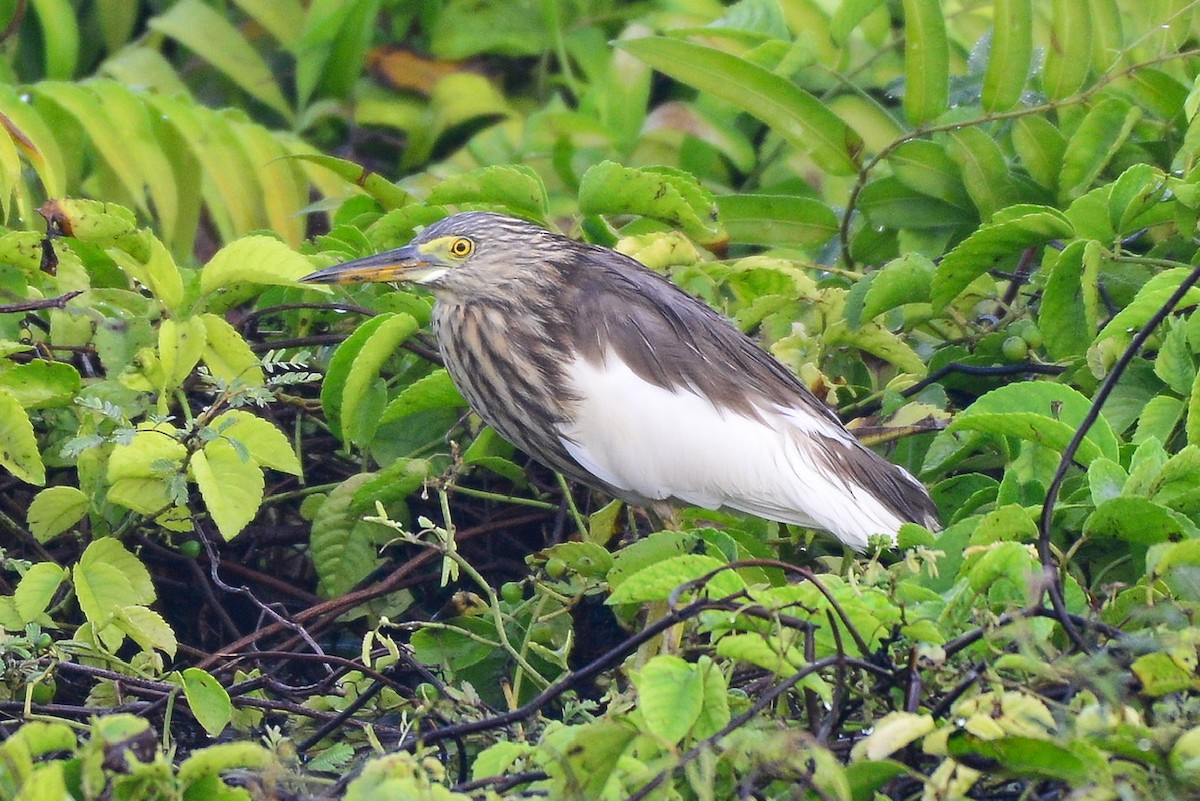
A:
461,247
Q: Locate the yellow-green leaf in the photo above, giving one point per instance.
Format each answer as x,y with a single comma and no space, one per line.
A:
207,699
266,443
54,510
231,485
36,589
254,259
18,445
227,355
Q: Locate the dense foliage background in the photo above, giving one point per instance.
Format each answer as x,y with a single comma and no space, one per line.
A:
253,546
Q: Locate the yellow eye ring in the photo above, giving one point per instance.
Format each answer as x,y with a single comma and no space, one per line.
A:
461,247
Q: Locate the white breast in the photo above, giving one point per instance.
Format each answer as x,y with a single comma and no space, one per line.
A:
658,443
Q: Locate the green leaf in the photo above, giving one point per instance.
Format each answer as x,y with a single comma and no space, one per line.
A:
41,384
215,759
344,548
1106,479
262,440
1029,757
54,510
848,15
513,186
658,581
254,259
283,19
670,696
387,193
658,192
1010,55
1040,146
465,28
776,220
1070,53
1138,521
205,31
207,699
1149,299
791,112
1139,189
984,170
18,445
231,485
1020,227
434,391
888,202
379,346
59,27
657,547
926,167
34,139
901,281
1040,412
1162,674
340,364
36,589
1070,302
138,471
926,61
1094,143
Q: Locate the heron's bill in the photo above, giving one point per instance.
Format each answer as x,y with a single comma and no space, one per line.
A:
406,264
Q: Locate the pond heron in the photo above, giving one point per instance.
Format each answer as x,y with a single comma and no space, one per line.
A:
612,375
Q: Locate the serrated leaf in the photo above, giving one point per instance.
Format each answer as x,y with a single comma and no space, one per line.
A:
1068,312
343,547
180,346
157,271
54,510
227,355
1094,143
231,486
776,220
378,346
340,364
434,391
36,589
1040,412
657,192
670,696
901,281
1149,299
791,112
18,445
1139,521
41,384
890,733
100,588
926,167
147,628
658,581
265,443
1021,226
985,172
256,260
1106,479
207,699
220,757
513,186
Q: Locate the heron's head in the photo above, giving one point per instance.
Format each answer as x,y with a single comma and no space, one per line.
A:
462,256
